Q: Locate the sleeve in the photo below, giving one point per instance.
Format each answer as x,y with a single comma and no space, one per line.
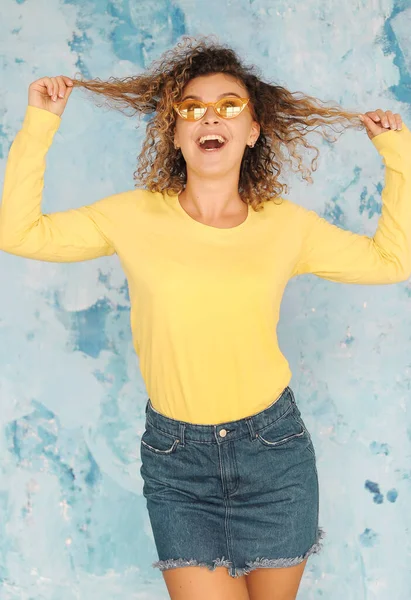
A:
72,235
342,256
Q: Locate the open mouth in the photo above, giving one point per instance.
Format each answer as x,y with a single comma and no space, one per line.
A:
211,143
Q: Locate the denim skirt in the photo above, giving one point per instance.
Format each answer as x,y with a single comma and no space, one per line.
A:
241,494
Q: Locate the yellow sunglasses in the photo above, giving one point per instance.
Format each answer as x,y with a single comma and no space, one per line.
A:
228,108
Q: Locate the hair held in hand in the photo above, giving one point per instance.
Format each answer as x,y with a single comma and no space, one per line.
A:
285,119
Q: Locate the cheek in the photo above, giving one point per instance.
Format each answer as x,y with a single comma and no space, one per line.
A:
239,138
184,130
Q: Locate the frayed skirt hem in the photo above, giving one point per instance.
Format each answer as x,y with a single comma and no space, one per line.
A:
259,563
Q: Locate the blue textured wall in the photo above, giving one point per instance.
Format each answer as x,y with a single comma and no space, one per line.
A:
73,521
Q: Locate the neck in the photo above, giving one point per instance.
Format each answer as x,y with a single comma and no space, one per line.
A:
210,199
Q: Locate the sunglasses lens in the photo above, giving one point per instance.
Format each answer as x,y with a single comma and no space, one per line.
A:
191,110
228,108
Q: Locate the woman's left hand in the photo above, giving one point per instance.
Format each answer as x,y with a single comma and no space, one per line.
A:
378,121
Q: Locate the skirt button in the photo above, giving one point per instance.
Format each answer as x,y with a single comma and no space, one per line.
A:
223,432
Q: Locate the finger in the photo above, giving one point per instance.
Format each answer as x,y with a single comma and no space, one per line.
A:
384,119
391,119
373,114
54,86
67,80
398,120
387,119
61,86
49,85
371,126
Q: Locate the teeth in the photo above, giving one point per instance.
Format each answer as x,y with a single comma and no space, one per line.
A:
211,137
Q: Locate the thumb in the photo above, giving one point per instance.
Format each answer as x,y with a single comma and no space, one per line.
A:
67,94
371,126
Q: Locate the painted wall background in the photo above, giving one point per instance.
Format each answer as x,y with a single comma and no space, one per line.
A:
73,522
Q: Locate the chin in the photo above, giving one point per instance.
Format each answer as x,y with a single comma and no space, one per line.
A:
212,167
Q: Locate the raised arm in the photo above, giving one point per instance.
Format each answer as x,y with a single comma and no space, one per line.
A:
72,235
338,255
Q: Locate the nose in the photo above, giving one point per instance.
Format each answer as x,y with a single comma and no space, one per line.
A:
211,115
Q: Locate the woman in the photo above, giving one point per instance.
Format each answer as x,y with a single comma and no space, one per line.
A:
208,246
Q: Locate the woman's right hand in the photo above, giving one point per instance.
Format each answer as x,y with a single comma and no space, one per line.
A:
42,91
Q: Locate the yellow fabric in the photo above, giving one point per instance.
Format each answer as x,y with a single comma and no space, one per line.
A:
205,301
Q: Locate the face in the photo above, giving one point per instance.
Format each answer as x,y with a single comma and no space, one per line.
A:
238,132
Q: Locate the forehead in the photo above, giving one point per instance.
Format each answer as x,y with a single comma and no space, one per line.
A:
208,86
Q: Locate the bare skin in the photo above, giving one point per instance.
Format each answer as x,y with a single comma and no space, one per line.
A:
275,584
211,192
198,583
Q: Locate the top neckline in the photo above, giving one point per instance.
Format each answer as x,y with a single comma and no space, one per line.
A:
203,226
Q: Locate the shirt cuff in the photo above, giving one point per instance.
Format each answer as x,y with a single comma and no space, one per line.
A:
41,123
394,144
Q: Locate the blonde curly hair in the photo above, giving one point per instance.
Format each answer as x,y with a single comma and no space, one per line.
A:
284,119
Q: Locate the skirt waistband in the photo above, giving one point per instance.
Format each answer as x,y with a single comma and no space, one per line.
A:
223,431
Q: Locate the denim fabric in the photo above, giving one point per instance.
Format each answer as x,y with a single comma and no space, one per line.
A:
241,494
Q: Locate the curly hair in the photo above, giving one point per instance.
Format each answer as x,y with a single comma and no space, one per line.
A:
284,119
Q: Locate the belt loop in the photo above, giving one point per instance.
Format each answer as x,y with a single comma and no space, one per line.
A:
291,394
181,433
250,427
147,405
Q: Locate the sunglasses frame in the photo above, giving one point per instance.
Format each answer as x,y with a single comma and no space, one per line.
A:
245,101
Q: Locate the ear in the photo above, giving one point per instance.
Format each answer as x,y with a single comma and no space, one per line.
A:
254,133
176,144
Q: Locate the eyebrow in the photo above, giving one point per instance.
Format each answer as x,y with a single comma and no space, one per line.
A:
220,96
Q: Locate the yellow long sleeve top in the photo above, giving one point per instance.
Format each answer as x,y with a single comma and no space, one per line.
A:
205,301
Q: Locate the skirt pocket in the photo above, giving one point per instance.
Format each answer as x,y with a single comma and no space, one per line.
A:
283,430
157,441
